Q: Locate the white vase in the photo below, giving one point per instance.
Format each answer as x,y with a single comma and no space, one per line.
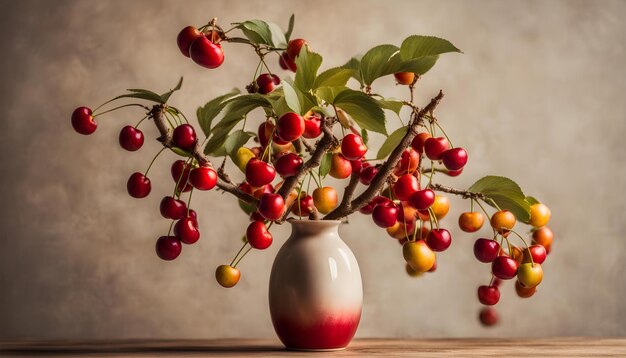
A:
315,290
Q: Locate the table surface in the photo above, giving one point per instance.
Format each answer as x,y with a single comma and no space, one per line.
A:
492,347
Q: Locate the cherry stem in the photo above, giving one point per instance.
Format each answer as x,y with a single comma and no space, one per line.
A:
494,204
491,281
256,72
141,120
152,162
472,205
444,133
169,232
119,107
189,201
525,244
481,206
432,173
432,213
180,177
238,252
242,256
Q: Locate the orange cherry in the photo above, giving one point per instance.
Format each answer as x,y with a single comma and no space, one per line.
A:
471,221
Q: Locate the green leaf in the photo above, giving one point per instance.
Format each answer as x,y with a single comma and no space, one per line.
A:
211,109
419,46
532,201
505,193
236,140
141,94
291,97
165,96
393,105
419,65
308,63
355,65
257,31
375,62
278,37
391,142
363,109
333,77
325,164
328,94
365,135
290,27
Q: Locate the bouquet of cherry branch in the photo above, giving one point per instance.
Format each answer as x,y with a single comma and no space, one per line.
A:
318,124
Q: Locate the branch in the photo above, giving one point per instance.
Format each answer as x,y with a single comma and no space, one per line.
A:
463,193
385,170
166,138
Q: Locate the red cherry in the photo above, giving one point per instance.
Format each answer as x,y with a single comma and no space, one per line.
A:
287,63
168,247
288,164
255,216
405,186
488,316
357,166
408,163
312,127
259,173
206,53
267,83
172,208
271,206
352,147
538,253
138,185
186,37
186,230
418,142
385,215
486,250
303,207
258,236
434,147
265,132
290,126
378,200
439,239
367,175
184,136
454,173
192,214
340,167
180,174
488,295
131,138
504,267
83,121
455,158
496,282
422,199
294,47
203,178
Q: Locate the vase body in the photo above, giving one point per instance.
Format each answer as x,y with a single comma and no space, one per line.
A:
315,290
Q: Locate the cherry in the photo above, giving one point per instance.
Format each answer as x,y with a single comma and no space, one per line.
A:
486,250
488,295
340,167
83,121
439,239
131,138
258,236
185,37
192,214
294,47
271,206
180,174
488,316
422,199
471,221
206,53
203,178
227,276
401,229
434,147
404,78
454,173
405,186
539,215
304,206
434,268
352,147
138,185
544,237
409,270
255,216
259,173
288,164
378,200
358,165
184,137
406,213
503,221
242,157
529,274
312,126
524,292
504,267
409,162
172,208
168,247
325,199
418,255
367,175
496,282
290,126
419,141
455,158
516,254
441,206
186,229
287,63
385,215
265,132
267,83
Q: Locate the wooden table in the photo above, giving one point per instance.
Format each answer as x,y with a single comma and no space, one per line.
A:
567,347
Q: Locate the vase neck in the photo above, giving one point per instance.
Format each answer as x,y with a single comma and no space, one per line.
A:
305,228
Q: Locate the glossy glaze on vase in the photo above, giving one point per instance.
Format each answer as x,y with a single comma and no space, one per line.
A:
315,290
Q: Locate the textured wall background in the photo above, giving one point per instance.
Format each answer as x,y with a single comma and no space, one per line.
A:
538,96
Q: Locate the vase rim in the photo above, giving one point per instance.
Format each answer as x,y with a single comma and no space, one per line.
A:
314,221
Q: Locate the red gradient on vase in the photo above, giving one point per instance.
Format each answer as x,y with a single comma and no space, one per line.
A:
328,331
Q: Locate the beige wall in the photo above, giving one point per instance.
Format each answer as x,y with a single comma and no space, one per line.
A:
538,96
